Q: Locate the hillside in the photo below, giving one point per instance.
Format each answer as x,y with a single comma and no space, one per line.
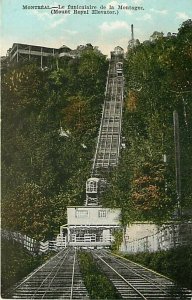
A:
158,84
50,121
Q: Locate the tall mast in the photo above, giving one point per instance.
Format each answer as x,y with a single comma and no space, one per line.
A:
132,33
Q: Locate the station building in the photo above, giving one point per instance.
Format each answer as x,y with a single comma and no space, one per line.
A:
91,226
40,54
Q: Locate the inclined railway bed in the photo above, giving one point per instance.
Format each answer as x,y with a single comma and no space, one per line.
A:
136,282
107,151
109,137
60,278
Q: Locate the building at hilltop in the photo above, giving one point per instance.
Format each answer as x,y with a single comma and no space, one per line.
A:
40,54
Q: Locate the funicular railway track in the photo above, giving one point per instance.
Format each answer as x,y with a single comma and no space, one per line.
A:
59,278
107,150
133,281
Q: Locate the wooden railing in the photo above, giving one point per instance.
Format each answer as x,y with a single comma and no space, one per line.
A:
33,245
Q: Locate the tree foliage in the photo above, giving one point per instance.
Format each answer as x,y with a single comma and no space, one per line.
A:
158,82
50,121
44,170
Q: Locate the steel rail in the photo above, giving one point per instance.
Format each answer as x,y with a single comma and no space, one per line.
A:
168,288
73,274
107,135
148,279
57,270
113,114
134,263
105,144
108,141
123,278
35,271
94,167
170,283
59,279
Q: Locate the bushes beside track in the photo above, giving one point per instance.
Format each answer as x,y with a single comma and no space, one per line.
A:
97,284
174,263
17,262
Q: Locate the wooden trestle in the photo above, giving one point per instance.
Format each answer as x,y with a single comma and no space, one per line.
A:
91,225
109,137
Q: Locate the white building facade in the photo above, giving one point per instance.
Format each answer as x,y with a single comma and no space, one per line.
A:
89,226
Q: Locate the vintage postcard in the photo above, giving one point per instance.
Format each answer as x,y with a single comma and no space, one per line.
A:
96,149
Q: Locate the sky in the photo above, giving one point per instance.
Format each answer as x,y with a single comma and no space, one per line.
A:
43,28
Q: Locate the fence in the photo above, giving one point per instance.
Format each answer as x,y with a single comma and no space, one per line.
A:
32,245
167,237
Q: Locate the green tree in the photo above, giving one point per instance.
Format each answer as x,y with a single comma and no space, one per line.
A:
158,81
37,106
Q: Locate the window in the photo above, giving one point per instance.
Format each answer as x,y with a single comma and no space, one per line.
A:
81,213
102,213
92,187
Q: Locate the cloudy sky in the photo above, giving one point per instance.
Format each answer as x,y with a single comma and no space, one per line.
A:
40,27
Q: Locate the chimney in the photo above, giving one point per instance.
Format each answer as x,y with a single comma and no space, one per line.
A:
132,34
